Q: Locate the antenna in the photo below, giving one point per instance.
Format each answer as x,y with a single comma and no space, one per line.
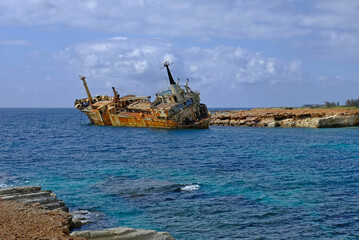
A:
166,63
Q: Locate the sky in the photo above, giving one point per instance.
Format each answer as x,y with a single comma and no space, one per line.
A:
236,53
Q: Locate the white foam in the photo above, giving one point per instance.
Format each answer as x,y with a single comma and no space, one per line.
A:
81,212
190,188
3,185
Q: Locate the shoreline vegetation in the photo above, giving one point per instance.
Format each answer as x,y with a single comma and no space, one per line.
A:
332,117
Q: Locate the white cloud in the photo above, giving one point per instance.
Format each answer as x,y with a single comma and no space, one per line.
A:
335,45
172,30
13,42
331,15
295,66
231,67
340,39
201,19
118,38
136,66
328,81
133,65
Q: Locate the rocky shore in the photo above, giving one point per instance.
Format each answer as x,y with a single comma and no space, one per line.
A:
19,220
123,233
33,194
287,117
32,213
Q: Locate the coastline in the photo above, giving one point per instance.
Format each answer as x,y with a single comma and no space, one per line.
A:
287,117
31,213
21,220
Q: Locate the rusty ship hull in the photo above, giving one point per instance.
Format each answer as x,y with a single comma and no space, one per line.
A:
128,119
172,108
138,120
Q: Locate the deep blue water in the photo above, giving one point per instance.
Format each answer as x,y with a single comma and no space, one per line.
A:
220,183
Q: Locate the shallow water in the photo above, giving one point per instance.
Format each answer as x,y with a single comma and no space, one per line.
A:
220,183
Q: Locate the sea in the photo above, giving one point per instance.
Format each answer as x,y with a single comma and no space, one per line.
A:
216,183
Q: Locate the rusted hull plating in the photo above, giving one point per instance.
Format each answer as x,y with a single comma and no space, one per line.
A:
140,120
175,107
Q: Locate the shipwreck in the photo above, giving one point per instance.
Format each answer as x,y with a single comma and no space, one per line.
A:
177,107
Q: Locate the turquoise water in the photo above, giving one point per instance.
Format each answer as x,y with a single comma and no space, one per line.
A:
220,183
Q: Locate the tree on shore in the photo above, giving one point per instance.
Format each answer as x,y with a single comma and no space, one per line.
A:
330,104
352,103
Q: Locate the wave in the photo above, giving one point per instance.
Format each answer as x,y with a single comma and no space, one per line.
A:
86,216
190,187
3,185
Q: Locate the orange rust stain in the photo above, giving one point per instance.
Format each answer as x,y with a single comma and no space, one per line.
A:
126,119
136,120
106,118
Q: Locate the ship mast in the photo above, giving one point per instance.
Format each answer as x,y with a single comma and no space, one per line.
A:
116,95
86,88
176,90
166,64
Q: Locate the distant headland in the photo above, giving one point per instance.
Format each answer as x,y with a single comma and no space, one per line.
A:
317,117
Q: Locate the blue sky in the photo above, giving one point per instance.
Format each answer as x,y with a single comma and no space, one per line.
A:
245,53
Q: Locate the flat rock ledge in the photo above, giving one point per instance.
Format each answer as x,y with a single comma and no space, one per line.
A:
287,117
32,213
19,220
123,233
33,194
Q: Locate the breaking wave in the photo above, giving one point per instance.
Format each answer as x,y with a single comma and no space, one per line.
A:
3,185
190,188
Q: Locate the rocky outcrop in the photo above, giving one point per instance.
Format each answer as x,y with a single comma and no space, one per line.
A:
33,194
339,121
123,233
43,204
278,117
44,198
19,220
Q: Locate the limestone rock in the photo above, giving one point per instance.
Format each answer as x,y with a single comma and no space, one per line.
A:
275,117
307,122
33,194
287,123
46,200
272,124
338,121
242,122
234,122
123,233
262,124
19,220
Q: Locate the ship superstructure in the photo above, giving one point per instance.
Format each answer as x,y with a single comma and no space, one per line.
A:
176,107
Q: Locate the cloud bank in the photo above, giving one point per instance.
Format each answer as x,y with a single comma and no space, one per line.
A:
135,63
202,18
236,50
